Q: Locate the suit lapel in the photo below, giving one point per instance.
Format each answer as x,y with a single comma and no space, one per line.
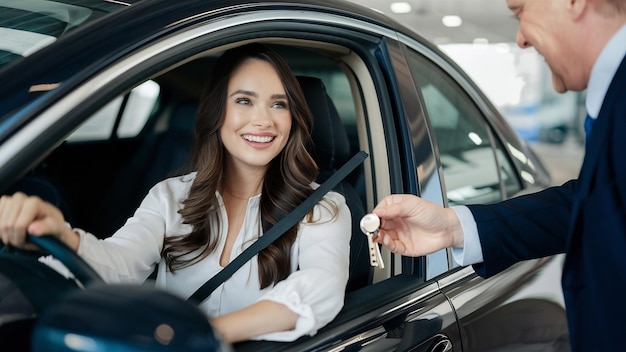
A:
596,148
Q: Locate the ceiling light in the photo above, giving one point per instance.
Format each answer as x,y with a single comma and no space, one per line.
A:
475,138
452,21
400,7
480,41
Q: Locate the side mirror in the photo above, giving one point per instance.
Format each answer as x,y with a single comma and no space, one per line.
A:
124,318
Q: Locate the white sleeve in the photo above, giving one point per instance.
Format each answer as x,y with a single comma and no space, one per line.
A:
316,290
131,254
472,252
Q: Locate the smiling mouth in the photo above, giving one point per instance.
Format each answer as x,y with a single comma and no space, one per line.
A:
258,139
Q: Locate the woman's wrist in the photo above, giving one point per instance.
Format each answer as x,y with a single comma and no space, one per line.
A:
71,238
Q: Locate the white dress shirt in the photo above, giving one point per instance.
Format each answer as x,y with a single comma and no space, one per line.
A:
600,79
319,258
603,71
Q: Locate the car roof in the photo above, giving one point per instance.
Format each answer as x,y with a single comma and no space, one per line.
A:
132,21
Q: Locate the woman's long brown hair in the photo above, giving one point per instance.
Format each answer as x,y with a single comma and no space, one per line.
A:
287,179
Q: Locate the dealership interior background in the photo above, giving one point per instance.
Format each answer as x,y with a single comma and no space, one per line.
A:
480,35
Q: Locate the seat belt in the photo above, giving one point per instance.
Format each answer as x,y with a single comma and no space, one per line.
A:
278,229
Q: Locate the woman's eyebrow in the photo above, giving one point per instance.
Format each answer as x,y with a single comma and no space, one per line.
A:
244,92
254,94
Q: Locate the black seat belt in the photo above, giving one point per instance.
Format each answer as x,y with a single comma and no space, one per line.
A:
277,230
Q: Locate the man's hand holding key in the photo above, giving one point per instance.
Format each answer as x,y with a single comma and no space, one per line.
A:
412,226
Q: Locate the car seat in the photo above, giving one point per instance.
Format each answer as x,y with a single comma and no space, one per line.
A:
163,153
331,151
43,188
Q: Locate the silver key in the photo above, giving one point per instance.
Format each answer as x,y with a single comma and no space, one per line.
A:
370,224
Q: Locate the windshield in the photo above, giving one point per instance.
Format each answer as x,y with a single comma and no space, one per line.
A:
28,25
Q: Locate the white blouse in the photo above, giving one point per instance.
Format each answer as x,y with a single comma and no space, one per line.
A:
319,258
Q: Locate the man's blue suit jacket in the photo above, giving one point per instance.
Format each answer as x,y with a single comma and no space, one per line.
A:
586,220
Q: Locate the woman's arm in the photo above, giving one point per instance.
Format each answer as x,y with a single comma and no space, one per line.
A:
131,253
315,291
258,319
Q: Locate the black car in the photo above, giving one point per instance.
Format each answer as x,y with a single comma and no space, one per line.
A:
97,103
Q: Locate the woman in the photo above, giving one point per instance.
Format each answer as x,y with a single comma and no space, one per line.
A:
253,166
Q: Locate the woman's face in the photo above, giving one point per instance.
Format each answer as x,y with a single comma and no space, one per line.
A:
258,120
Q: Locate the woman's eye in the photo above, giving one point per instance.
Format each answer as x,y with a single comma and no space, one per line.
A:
280,104
243,101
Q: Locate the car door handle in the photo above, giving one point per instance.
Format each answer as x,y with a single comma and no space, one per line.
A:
437,343
442,344
420,335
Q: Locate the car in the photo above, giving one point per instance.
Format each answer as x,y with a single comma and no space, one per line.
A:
97,104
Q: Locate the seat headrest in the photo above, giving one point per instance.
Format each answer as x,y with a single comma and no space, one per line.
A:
182,117
332,147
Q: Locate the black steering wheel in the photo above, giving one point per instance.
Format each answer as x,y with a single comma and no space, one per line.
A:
82,271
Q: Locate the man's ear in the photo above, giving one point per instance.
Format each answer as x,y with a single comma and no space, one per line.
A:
577,8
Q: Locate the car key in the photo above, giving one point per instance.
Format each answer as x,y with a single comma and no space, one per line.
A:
370,223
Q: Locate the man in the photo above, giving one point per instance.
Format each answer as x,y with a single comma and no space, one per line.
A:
584,44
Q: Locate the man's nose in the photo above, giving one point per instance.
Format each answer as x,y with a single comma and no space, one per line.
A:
521,40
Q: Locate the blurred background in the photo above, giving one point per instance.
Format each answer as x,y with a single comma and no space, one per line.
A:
480,35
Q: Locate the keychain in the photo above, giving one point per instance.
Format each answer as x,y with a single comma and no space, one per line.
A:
370,223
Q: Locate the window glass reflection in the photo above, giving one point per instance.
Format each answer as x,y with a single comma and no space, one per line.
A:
472,165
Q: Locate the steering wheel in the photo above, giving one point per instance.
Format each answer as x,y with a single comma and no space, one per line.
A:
82,271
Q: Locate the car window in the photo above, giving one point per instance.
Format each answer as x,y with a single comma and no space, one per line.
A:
512,185
473,165
142,136
29,25
123,117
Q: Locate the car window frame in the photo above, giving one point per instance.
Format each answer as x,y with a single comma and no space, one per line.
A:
422,163
120,77
193,40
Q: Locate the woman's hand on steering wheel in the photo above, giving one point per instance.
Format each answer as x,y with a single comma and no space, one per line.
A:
21,215
30,223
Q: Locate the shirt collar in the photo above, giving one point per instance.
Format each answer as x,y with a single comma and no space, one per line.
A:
603,71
